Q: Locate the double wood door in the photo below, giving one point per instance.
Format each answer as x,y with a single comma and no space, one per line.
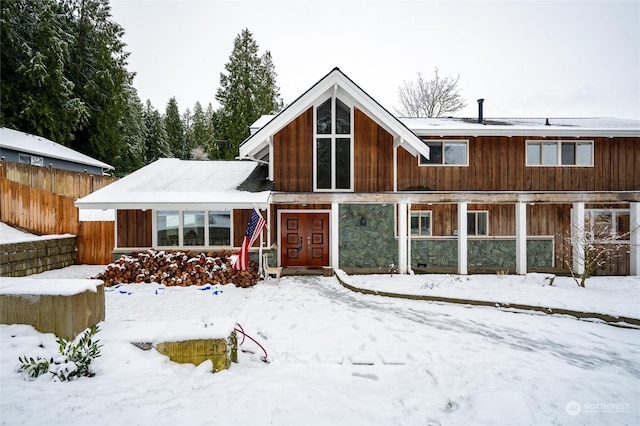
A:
304,239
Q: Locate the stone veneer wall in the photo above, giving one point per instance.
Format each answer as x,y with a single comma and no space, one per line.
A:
33,257
370,245
493,253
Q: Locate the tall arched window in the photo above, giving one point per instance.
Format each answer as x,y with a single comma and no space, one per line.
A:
333,151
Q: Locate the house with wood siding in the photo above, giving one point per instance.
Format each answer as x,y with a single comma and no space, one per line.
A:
344,183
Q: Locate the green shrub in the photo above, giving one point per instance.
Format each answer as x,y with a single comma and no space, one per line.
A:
73,361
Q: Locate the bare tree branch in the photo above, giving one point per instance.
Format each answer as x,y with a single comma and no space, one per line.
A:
433,98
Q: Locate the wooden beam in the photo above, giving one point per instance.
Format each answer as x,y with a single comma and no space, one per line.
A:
564,197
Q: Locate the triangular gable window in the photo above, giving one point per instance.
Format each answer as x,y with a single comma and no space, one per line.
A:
333,147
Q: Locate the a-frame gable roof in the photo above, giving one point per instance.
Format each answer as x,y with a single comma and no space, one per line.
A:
338,81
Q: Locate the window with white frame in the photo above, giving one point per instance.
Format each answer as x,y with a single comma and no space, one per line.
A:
446,153
477,223
193,228
333,147
609,224
34,160
421,223
559,153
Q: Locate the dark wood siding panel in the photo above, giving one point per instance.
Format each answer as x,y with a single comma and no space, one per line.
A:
293,155
240,221
134,228
499,164
373,155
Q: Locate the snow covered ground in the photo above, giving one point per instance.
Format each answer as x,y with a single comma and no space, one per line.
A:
343,358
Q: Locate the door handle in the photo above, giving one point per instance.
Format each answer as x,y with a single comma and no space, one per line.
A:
308,242
300,247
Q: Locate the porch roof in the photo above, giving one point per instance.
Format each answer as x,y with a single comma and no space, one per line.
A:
171,183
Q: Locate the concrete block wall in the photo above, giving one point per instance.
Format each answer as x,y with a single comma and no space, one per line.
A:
33,257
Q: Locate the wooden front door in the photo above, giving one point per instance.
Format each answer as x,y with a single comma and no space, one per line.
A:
304,239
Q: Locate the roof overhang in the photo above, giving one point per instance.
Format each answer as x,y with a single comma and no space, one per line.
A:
337,82
172,184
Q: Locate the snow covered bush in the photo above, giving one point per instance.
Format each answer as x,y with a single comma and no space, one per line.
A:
73,361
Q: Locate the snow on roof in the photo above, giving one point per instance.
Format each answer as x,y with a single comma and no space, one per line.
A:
32,144
173,183
604,126
260,122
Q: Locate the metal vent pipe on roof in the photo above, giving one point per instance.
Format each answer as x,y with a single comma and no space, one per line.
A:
480,115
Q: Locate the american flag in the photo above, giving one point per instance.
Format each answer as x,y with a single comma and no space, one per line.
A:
254,228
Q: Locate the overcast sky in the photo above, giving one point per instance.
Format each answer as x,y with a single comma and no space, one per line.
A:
526,58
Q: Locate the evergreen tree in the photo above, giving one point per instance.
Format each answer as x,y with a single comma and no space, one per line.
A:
64,74
246,92
201,132
174,128
185,152
98,70
155,136
131,157
37,93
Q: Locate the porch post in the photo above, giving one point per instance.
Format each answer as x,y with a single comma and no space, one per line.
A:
409,269
577,237
521,238
402,238
634,239
335,236
462,239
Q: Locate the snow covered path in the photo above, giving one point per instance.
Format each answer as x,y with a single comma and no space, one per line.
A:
339,358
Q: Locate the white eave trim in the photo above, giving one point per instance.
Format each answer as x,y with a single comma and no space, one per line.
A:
532,132
172,206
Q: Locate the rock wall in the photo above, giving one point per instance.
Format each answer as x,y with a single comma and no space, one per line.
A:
367,236
33,257
492,253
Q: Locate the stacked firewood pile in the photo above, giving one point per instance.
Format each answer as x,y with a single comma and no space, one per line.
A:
178,268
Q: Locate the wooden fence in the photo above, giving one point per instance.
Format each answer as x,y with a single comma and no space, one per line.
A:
44,212
63,182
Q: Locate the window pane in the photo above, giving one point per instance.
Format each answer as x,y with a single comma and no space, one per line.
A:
425,224
585,154
568,153
455,153
323,163
219,228
193,228
623,226
37,161
415,230
602,226
550,153
471,223
343,118
435,153
324,118
343,163
533,154
481,223
168,228
24,159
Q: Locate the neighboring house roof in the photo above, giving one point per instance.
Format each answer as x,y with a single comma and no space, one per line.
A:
254,146
586,127
37,145
171,183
